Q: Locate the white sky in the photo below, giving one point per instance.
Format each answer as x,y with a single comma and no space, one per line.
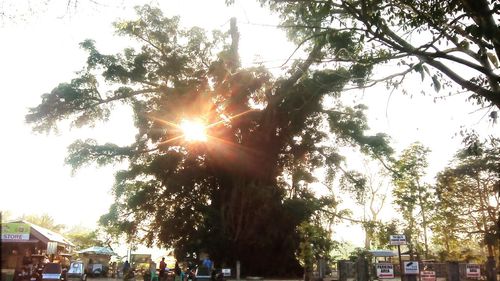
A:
40,50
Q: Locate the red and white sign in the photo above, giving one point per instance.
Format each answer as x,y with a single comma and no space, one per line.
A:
427,275
385,270
473,270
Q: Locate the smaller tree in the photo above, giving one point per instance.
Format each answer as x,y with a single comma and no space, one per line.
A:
467,194
84,238
5,215
315,245
46,221
369,191
412,195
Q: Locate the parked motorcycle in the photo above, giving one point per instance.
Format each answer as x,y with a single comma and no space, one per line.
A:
129,276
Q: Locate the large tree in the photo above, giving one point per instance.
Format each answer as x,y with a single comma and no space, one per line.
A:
243,193
468,196
455,42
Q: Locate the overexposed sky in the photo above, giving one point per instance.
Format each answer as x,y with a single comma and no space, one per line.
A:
40,49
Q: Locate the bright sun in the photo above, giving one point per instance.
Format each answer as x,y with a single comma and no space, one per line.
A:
193,130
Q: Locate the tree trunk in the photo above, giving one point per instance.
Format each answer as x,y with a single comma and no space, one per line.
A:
368,239
424,220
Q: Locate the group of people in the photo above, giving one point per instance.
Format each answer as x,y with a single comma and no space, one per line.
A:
30,268
178,273
163,273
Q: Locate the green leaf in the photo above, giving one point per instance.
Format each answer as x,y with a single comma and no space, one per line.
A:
419,68
436,83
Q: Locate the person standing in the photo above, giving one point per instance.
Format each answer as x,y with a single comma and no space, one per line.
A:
152,271
163,266
126,267
177,271
208,263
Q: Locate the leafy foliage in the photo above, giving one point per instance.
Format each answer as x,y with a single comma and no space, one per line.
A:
46,221
412,195
430,38
369,190
467,190
83,238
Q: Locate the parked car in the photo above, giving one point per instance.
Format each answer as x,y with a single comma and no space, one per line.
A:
76,271
52,272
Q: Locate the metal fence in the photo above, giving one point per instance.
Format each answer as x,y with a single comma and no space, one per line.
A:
451,271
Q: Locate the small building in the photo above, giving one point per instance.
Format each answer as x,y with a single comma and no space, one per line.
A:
25,243
97,259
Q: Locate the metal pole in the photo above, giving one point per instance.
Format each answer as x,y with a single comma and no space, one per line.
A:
238,270
401,269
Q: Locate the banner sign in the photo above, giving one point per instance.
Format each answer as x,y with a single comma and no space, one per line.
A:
411,267
473,270
140,258
428,276
398,239
385,270
15,231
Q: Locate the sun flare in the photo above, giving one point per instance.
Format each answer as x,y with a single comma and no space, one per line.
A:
194,130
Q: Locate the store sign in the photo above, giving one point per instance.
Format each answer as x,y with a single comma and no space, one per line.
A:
428,276
398,239
473,270
15,231
385,270
411,267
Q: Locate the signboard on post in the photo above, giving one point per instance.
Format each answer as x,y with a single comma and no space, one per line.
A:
411,267
15,231
428,276
385,270
473,271
398,239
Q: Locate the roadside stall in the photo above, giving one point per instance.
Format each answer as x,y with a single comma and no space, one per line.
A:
97,260
383,264
26,245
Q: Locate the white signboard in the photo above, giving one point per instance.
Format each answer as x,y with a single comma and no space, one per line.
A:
473,270
398,239
411,267
385,270
428,276
226,271
51,248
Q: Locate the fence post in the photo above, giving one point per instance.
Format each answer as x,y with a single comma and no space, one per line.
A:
342,270
362,269
453,271
491,273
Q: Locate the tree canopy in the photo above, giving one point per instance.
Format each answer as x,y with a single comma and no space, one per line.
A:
468,197
453,42
244,193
